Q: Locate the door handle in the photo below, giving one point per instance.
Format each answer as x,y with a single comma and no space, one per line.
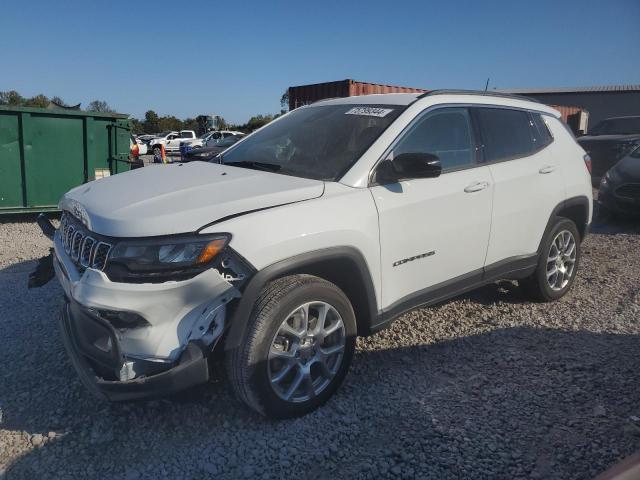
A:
476,187
547,169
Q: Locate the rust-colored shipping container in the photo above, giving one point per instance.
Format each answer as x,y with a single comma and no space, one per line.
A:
576,117
306,94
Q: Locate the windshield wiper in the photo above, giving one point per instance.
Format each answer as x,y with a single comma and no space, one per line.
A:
269,167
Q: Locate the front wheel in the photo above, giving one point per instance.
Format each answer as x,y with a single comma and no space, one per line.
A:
297,348
558,263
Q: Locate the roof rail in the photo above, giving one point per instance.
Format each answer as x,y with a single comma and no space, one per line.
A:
489,93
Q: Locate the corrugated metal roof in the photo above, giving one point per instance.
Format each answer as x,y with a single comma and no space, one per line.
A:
596,89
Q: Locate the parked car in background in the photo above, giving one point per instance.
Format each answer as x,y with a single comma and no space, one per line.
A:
328,223
170,140
619,192
208,153
145,138
610,141
209,139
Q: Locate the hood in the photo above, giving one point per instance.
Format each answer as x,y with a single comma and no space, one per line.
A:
180,198
628,169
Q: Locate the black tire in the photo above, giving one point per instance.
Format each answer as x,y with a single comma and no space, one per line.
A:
247,365
536,285
157,150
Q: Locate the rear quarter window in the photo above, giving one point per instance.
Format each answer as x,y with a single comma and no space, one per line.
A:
506,133
542,135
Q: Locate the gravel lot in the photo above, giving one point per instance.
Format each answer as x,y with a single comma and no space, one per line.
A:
486,386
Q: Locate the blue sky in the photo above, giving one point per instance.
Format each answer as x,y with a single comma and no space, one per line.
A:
237,58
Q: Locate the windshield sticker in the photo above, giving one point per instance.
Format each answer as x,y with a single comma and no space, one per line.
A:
369,111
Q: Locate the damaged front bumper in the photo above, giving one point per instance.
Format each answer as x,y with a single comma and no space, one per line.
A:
78,326
174,327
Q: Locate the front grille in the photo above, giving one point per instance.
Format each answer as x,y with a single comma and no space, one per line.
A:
84,249
629,190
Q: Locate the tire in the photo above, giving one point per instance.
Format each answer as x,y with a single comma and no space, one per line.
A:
267,348
539,284
157,150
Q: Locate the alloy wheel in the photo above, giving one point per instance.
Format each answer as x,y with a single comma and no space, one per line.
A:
306,352
561,260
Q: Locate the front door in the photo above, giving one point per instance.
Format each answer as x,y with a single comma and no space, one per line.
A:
434,232
173,142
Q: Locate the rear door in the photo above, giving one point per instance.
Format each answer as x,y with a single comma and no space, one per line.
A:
434,230
527,178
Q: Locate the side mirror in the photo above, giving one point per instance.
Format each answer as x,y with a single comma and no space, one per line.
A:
407,166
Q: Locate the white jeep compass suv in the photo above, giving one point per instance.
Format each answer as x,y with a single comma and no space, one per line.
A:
328,223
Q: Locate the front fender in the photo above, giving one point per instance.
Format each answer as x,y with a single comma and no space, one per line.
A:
354,278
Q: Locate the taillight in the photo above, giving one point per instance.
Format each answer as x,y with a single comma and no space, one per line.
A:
587,161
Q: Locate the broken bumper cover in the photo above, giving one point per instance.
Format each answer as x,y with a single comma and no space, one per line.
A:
79,327
130,341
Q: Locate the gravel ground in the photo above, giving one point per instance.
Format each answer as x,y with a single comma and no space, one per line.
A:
486,386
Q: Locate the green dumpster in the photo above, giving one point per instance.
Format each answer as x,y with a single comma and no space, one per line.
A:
44,153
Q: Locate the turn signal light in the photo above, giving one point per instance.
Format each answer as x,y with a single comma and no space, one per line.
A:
213,248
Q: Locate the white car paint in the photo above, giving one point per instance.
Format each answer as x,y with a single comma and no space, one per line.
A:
170,199
171,140
523,198
453,231
273,217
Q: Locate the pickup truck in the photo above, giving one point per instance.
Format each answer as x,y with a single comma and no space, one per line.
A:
171,140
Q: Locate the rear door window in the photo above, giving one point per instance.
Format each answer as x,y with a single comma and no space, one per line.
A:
506,133
444,132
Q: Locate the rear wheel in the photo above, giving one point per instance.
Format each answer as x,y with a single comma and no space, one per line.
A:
297,348
558,263
157,150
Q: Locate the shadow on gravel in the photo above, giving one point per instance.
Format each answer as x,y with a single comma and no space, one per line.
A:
608,225
26,217
510,403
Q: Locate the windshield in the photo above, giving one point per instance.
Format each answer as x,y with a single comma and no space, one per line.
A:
228,141
617,126
163,134
320,142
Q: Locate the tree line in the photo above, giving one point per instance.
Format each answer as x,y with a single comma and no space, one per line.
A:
14,99
151,123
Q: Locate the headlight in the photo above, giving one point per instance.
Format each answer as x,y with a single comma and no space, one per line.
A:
611,177
162,259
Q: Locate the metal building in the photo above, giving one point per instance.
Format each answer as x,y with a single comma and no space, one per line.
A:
601,102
